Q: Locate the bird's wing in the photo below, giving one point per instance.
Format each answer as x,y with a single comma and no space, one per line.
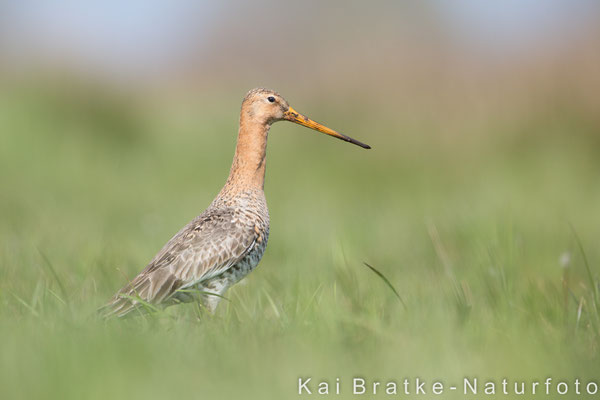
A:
206,247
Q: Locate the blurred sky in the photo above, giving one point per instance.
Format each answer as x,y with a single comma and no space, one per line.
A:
152,40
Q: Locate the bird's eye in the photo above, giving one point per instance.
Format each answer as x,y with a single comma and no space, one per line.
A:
271,99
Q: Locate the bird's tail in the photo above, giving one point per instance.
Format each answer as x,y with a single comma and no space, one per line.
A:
118,307
139,296
126,302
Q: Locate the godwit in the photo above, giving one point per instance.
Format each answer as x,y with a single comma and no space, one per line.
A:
224,243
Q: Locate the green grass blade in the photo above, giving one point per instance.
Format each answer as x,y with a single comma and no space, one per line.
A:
53,293
141,301
30,308
63,291
272,304
587,265
202,292
388,283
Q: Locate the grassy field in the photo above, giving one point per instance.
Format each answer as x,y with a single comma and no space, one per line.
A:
476,224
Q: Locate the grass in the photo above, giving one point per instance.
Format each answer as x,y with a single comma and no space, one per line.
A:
469,237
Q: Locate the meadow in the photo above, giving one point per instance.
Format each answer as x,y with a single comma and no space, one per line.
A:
484,220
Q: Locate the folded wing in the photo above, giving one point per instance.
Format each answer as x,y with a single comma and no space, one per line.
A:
209,245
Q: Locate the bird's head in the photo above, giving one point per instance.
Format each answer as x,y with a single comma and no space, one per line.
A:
267,106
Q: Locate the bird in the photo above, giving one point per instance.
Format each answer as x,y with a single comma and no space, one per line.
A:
226,242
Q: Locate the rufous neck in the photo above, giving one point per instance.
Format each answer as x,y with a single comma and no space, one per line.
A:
248,167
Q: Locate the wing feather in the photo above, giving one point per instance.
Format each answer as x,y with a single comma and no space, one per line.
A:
209,245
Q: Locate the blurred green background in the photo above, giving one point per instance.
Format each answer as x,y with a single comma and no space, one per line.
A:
480,200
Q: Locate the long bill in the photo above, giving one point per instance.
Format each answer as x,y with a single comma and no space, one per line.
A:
294,116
